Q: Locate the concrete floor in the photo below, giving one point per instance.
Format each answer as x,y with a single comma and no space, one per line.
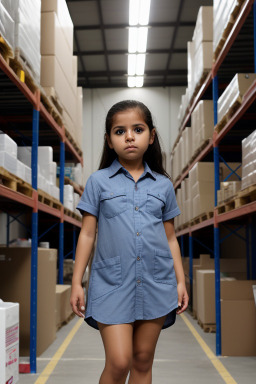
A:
178,359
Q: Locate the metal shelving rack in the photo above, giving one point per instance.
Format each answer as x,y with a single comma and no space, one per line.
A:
248,8
17,99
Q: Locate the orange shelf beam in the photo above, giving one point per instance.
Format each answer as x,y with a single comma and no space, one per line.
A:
73,221
16,196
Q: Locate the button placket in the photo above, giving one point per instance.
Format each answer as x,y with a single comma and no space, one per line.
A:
138,264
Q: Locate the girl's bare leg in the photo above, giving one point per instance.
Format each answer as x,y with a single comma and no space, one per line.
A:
145,336
117,341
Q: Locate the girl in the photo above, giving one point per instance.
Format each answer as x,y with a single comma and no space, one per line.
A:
137,282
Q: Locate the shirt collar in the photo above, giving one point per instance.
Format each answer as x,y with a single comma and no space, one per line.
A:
116,166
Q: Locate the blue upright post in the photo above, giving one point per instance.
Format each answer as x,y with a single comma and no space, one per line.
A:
182,245
216,227
74,242
191,264
33,290
61,232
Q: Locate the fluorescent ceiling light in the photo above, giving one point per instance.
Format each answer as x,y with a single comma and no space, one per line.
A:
140,64
131,64
139,81
139,12
131,82
144,12
133,40
142,39
134,9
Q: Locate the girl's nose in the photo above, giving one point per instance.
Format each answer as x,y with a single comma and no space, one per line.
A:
129,135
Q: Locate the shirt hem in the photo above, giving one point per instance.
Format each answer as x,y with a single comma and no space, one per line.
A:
171,214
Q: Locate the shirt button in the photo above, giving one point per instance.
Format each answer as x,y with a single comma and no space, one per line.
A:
136,208
138,282
138,258
138,233
136,187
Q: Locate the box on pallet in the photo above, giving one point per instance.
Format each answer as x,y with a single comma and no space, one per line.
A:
204,26
7,26
9,342
249,160
234,92
16,262
63,308
238,318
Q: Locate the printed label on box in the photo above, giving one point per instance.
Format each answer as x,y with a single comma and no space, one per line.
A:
12,354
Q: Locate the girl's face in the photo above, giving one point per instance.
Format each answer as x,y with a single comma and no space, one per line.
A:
130,135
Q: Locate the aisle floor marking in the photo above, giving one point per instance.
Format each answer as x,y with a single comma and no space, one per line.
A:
228,379
44,376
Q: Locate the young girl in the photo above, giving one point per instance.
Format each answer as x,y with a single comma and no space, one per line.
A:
137,282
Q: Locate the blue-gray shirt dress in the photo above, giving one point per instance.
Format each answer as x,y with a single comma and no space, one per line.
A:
132,276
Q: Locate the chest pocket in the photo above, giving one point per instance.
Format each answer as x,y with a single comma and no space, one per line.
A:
155,204
113,203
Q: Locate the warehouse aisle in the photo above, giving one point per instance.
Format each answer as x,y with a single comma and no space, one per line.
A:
179,358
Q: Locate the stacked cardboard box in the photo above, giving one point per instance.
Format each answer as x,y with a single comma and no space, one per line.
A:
238,318
59,66
202,124
234,92
16,263
249,160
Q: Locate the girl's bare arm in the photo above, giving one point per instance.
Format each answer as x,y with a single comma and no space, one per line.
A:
175,250
83,251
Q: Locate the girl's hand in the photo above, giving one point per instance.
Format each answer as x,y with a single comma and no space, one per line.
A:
182,298
77,300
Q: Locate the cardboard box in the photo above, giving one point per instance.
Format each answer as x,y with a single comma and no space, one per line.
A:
205,287
204,26
52,75
9,342
238,331
65,21
205,263
53,43
15,277
63,308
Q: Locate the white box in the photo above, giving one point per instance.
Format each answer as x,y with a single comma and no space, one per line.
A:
8,145
8,162
9,342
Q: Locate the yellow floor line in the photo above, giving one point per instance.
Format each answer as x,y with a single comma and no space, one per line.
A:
57,356
228,379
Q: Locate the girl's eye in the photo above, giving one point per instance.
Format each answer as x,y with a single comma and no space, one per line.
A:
138,129
119,131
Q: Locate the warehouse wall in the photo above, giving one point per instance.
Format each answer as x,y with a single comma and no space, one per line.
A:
163,103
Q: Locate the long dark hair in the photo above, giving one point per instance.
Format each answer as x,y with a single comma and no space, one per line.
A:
152,156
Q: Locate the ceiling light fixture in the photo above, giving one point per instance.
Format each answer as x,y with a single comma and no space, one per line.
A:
137,43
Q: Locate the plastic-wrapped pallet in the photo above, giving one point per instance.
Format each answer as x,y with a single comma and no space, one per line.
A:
9,342
8,162
227,190
78,174
8,145
27,17
76,201
69,197
249,160
7,26
202,60
234,92
204,26
222,11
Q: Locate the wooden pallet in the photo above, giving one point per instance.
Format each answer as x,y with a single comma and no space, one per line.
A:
244,197
51,94
199,150
199,85
23,71
70,317
47,199
15,183
5,50
51,108
203,217
209,328
73,142
229,114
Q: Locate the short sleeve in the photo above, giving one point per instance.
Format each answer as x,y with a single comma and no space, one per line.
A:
89,201
171,208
